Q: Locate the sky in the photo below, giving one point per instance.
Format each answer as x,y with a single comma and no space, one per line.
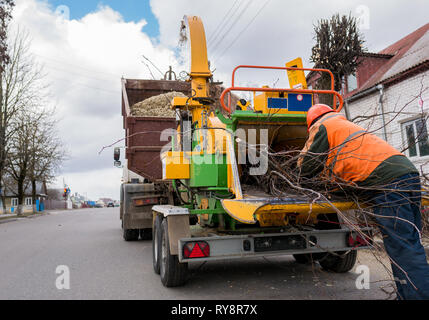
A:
86,46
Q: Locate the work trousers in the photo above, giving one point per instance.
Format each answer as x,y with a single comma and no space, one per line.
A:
397,212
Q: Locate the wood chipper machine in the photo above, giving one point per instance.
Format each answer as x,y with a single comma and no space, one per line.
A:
218,212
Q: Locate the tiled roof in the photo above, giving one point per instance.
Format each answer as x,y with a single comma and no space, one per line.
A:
407,53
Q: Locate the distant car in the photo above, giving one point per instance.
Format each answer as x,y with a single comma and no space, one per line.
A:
111,204
99,205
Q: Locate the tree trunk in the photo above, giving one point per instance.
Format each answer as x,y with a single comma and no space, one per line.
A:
20,196
33,195
324,83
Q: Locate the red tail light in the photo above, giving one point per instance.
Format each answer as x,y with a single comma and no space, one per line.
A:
145,202
199,249
357,240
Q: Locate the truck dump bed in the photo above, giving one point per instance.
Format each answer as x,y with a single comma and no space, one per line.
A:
143,143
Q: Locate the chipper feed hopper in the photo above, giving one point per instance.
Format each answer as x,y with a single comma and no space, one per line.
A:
219,213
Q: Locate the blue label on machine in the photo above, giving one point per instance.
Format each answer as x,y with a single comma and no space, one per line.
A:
277,103
300,102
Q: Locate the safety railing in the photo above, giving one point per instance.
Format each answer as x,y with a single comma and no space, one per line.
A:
287,90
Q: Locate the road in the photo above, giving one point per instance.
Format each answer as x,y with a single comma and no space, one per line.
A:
103,266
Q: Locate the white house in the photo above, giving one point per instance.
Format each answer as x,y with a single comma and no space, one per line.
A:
389,95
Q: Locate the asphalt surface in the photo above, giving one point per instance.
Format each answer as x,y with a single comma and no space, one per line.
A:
103,266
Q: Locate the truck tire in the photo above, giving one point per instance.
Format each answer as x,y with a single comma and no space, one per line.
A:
339,264
121,202
146,234
173,273
131,234
156,244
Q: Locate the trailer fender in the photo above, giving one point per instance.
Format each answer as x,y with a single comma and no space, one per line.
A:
178,224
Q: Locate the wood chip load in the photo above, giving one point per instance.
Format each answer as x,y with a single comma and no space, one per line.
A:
157,106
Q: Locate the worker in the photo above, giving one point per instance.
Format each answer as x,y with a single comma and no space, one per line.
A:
341,151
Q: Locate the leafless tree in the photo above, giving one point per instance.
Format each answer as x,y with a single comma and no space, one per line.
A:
47,151
33,150
338,47
6,7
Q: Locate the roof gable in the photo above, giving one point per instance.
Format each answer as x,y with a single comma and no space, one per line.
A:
406,53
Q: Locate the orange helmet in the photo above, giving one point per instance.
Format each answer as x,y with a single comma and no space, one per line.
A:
316,111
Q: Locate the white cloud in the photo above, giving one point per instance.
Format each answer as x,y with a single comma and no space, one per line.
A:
86,58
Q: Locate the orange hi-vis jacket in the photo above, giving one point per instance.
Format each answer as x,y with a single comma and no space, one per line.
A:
344,151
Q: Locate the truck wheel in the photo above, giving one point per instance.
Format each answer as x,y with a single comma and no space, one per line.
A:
173,273
131,234
156,243
339,264
146,234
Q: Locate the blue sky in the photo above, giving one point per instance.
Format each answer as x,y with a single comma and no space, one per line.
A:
131,10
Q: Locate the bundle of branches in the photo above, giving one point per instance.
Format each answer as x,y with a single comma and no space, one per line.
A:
283,179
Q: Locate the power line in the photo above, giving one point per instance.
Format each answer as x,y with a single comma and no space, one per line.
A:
216,30
243,30
75,66
78,74
86,85
234,22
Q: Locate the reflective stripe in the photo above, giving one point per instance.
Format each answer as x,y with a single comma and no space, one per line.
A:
330,117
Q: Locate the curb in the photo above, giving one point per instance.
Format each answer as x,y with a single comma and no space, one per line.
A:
6,220
16,217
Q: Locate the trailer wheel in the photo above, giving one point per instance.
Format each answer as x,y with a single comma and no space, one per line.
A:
338,264
156,243
173,273
146,234
131,234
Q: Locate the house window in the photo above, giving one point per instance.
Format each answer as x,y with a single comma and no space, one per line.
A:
352,82
14,202
28,201
416,135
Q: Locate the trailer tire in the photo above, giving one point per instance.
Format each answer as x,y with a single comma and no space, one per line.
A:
131,234
339,264
173,273
146,234
156,244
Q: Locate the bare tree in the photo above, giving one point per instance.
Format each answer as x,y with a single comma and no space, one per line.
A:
338,47
18,161
6,7
46,151
29,125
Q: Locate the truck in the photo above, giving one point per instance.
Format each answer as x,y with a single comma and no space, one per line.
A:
196,198
142,185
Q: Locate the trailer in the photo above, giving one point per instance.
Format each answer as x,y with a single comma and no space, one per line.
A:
142,185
